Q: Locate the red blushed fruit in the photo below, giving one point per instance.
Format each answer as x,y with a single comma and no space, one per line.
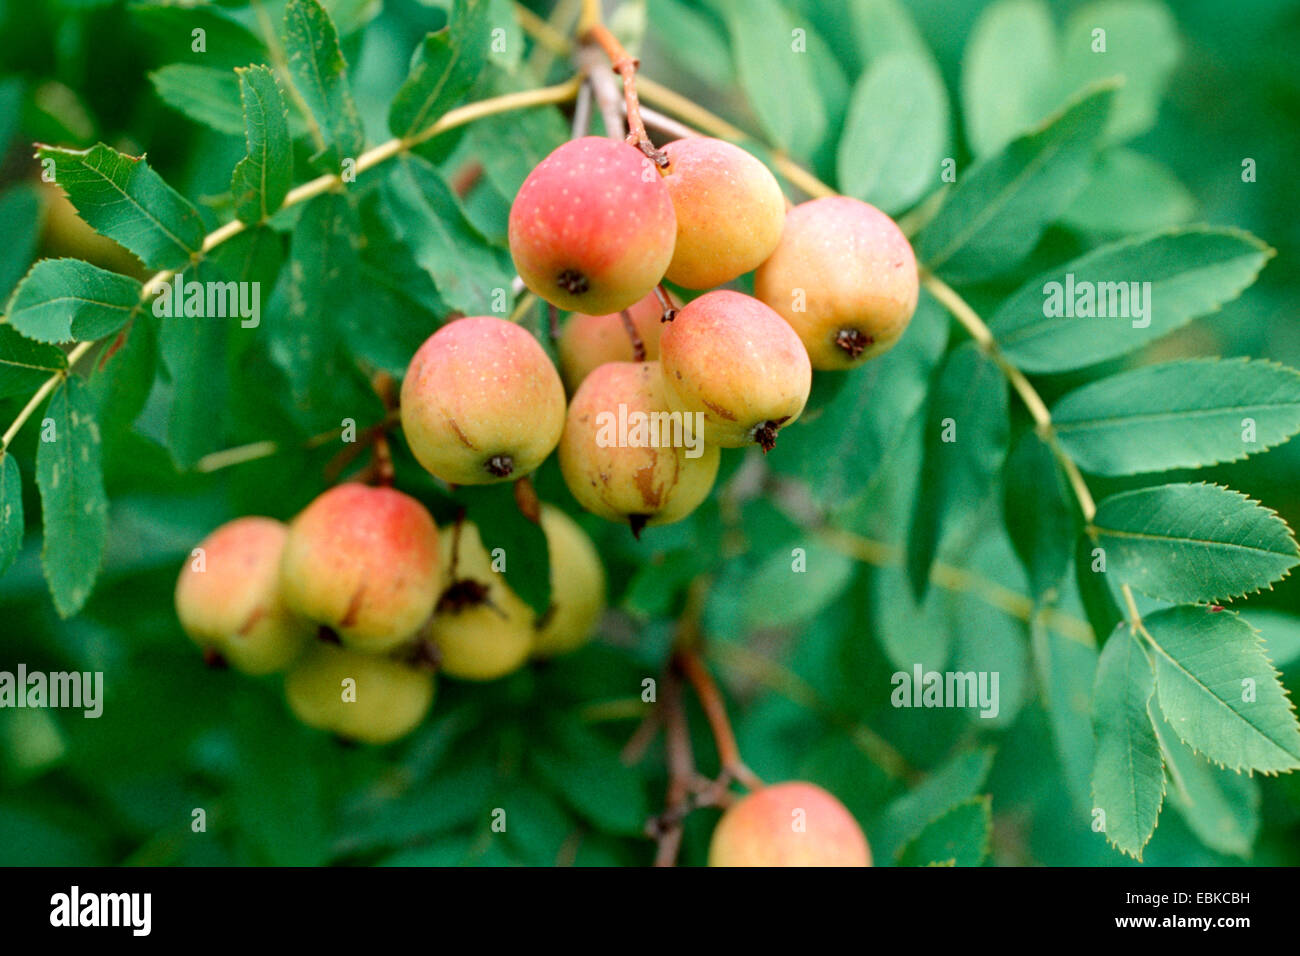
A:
731,359
844,276
481,402
788,824
592,228
364,562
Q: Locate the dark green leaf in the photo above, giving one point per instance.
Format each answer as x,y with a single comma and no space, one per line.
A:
1128,193
262,178
958,838
471,275
1221,806
776,73
121,197
1066,672
896,132
1040,512
1219,692
1100,306
1008,72
25,365
11,511
1141,45
74,507
1095,592
953,783
20,224
999,209
1179,415
1193,542
320,74
65,299
965,443
446,66
207,95
1128,777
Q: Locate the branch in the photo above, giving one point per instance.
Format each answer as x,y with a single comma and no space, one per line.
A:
460,116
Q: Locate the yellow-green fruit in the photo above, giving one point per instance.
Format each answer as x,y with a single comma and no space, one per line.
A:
626,456
589,341
481,402
364,562
358,696
228,598
482,629
577,586
788,824
731,359
729,207
844,276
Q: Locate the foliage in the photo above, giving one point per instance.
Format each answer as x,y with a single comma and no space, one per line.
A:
941,517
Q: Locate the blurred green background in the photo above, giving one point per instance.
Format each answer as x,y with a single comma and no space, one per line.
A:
808,685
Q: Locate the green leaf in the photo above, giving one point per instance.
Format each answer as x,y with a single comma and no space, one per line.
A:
896,133
471,275
169,28
122,198
74,507
302,320
1095,592
840,449
965,443
776,75
320,74
1008,73
1066,673
1040,512
824,574
588,774
262,178
124,375
1054,322
445,67
879,27
953,783
1129,193
1128,777
1193,542
21,219
62,300
1220,806
1219,692
205,94
25,365
958,838
1141,45
11,511
502,525
994,217
1179,415
1281,632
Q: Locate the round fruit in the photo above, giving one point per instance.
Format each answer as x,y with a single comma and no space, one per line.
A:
358,696
481,402
626,456
788,824
364,562
592,228
228,598
589,341
733,360
482,629
844,276
729,207
577,586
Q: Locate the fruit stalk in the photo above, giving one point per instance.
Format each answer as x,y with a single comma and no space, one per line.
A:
625,65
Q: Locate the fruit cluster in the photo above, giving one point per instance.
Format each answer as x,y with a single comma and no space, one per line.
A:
361,599
596,228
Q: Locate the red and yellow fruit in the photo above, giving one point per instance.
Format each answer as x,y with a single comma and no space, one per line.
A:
788,824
